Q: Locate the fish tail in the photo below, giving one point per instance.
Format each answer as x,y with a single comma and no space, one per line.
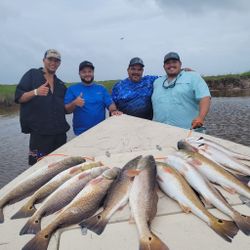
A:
1,215
226,229
245,200
33,226
39,242
96,223
152,242
243,223
25,211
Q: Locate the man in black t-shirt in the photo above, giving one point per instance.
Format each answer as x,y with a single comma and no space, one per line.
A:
42,114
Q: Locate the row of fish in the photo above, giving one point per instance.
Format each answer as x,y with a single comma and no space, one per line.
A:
179,176
78,189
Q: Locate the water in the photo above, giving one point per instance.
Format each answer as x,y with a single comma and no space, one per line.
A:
229,118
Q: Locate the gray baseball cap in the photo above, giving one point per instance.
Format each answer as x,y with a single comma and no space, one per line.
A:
171,55
136,60
52,53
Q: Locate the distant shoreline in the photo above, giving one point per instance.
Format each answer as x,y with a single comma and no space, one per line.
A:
231,85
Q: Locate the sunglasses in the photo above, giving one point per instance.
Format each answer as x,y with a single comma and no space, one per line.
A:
169,86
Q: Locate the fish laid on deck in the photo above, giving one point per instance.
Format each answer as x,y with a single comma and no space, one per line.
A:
85,204
36,180
214,172
143,203
29,209
60,198
210,194
226,160
221,148
175,186
116,199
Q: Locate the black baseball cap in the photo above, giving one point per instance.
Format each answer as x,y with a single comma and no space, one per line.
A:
171,55
85,64
136,60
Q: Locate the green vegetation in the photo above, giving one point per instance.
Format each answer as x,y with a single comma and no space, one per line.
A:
228,76
7,94
7,91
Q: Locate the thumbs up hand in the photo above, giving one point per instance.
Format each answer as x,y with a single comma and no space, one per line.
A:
43,90
79,101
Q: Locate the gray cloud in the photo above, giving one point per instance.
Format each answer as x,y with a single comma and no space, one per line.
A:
209,36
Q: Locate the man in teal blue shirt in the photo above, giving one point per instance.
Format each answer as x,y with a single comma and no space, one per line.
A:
180,98
88,100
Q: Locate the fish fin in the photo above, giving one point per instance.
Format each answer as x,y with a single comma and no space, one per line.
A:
226,229
1,215
245,200
185,208
159,179
26,211
152,242
196,163
32,226
243,178
243,222
229,190
96,223
39,242
132,172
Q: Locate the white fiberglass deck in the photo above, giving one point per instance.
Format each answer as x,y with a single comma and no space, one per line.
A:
116,141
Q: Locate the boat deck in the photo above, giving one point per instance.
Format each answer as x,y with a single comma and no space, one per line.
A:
116,141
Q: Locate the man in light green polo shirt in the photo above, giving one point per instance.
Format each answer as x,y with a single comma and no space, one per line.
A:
180,98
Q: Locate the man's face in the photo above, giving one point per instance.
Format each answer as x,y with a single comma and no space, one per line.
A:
87,74
51,64
135,72
172,67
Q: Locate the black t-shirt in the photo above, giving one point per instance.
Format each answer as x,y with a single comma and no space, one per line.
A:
44,115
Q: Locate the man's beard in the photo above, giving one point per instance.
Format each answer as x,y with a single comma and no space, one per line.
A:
87,81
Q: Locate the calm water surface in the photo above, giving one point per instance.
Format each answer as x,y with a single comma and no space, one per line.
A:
229,118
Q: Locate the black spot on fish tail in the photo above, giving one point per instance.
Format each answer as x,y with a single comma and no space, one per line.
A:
245,200
26,211
39,242
33,226
243,222
96,223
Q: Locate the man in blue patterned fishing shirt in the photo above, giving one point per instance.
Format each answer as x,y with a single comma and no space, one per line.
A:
132,95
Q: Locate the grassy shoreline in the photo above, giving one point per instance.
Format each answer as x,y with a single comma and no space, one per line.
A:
7,91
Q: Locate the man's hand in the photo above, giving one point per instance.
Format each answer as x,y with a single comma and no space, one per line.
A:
43,90
197,122
79,101
116,112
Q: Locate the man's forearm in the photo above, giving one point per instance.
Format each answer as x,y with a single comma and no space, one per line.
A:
27,96
70,107
204,106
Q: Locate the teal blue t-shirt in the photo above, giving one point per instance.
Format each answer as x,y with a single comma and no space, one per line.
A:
96,98
178,104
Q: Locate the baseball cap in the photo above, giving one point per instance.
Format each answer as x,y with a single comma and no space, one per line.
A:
52,53
171,55
86,64
136,60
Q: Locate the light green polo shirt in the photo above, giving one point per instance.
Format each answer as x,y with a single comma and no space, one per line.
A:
178,105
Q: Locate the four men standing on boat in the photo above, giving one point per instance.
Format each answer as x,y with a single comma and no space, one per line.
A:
180,98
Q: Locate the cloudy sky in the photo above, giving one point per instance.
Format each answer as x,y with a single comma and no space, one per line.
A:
212,37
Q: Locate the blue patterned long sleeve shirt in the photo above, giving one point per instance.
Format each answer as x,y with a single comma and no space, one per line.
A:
134,98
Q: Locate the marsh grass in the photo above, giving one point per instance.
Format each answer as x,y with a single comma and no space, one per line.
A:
7,91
